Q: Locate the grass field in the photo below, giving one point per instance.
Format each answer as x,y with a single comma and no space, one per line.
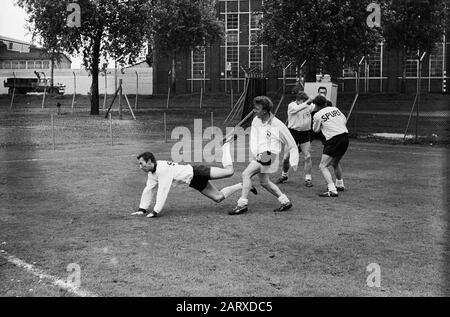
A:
73,205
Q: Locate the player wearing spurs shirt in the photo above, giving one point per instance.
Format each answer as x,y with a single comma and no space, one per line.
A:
162,174
332,123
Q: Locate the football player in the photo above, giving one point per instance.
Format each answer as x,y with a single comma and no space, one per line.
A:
162,174
332,123
266,138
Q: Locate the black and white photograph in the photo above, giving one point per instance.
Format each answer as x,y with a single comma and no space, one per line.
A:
224,154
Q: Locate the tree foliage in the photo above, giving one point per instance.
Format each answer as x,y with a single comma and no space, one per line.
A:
180,25
329,34
413,26
109,28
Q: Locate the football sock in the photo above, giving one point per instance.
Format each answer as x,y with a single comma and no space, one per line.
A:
340,182
283,199
242,202
332,188
284,174
226,155
308,177
230,190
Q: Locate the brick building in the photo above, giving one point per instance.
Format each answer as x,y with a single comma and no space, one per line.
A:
218,66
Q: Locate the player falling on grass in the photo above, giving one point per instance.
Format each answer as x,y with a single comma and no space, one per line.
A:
266,138
162,174
299,124
332,123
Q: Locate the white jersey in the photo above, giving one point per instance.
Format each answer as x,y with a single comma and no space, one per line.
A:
269,136
166,172
330,121
299,116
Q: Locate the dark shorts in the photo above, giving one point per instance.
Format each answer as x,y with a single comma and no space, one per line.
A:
300,137
202,174
336,146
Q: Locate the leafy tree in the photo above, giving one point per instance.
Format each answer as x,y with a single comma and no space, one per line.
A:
413,27
329,34
178,26
108,28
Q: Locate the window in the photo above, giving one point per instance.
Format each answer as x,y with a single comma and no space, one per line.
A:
437,61
232,21
5,65
30,64
232,37
233,58
11,45
256,57
38,64
46,64
14,64
198,62
254,20
22,64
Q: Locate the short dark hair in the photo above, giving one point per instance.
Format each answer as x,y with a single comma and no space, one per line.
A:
301,95
320,101
147,156
322,87
329,103
265,102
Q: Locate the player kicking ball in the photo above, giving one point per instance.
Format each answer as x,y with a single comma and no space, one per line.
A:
332,123
162,174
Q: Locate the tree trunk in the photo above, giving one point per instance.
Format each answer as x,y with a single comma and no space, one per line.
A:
95,72
52,71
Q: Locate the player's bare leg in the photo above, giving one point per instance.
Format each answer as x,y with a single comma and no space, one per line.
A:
336,163
252,169
306,150
274,190
213,193
323,166
219,173
285,171
227,162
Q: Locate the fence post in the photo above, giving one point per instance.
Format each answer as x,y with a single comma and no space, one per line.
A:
43,97
53,132
165,128
120,99
106,90
74,89
212,119
137,91
110,128
14,92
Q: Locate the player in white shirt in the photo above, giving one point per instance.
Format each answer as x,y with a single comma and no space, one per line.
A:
299,124
266,138
332,123
162,174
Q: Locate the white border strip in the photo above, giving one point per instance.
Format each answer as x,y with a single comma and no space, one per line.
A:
42,275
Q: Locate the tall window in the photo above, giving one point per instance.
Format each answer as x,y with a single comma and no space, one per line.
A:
198,62
232,43
437,61
255,51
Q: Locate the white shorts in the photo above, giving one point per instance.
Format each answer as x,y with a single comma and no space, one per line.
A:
272,168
